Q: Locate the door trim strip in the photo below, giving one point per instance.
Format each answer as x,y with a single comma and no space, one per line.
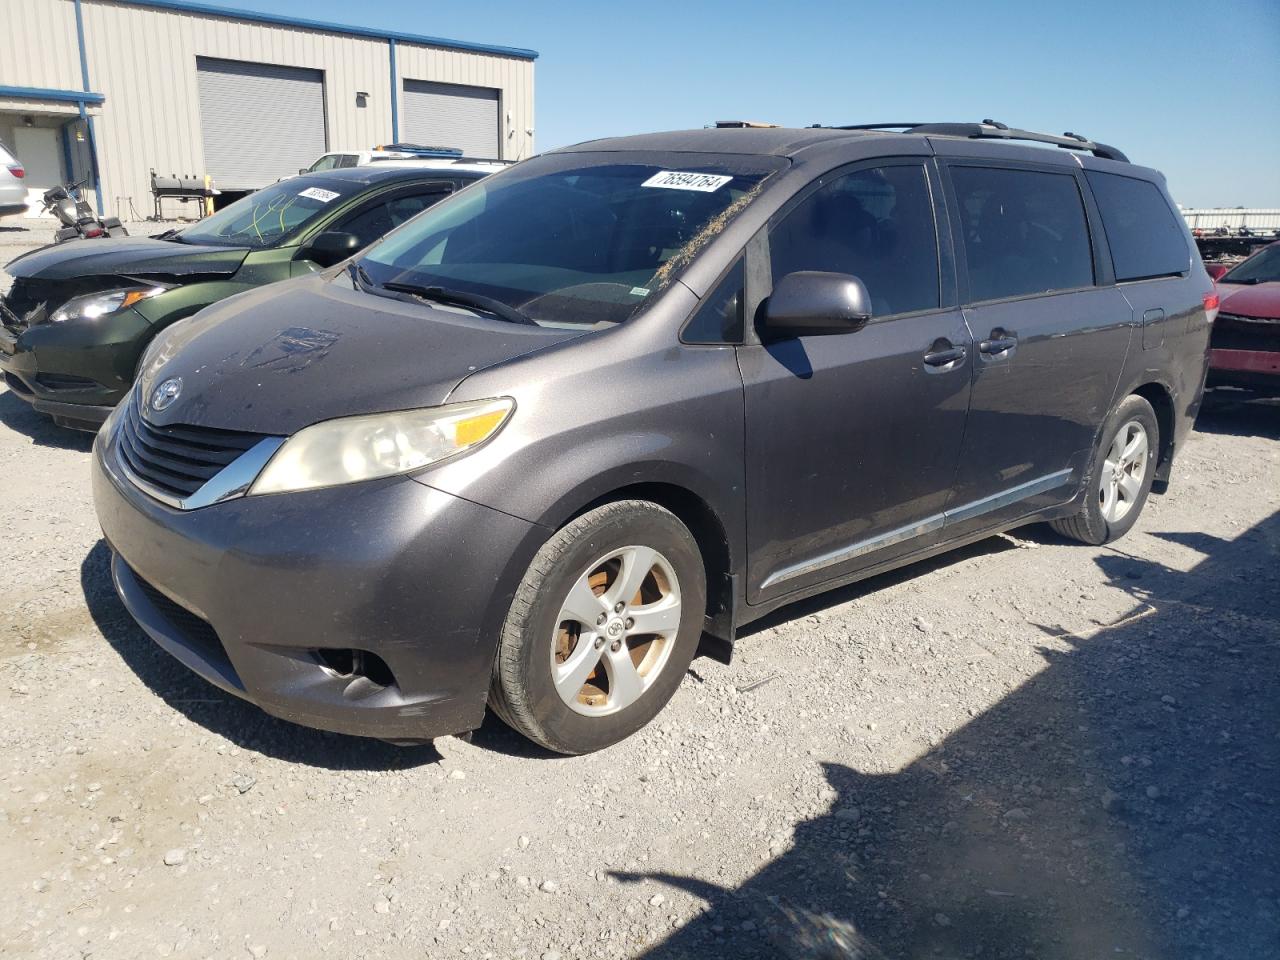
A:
1023,491
930,524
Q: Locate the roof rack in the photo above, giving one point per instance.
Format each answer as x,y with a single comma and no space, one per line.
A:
994,130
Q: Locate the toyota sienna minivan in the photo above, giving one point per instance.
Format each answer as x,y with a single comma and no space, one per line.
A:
532,448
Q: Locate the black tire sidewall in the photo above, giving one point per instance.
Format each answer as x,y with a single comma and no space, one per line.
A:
1134,407
624,525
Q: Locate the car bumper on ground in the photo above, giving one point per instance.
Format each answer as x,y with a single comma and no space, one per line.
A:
370,609
74,372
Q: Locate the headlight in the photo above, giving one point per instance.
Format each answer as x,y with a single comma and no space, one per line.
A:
95,305
379,445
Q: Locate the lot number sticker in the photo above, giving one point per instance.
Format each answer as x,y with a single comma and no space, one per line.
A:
315,193
678,180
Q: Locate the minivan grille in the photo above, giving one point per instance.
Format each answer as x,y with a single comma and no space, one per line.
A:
177,460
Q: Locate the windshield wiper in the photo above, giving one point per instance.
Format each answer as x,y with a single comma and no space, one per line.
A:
462,298
359,276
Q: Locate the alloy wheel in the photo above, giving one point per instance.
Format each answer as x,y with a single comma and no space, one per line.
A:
615,631
1123,471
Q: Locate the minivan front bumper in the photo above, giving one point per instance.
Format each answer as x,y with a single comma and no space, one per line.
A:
281,599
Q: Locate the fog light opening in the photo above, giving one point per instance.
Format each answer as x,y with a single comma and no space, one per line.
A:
357,665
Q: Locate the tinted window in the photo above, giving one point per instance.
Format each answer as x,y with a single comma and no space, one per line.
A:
719,318
385,216
573,238
273,214
1024,232
1262,267
874,224
1146,239
348,160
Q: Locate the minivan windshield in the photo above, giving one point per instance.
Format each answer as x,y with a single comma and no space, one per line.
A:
579,238
1262,267
272,215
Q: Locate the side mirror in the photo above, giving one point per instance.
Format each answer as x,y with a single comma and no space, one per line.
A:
304,169
809,302
1216,271
330,247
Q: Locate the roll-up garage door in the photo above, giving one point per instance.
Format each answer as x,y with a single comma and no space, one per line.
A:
259,121
451,115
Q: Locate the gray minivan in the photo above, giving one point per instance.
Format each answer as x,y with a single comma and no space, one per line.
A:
537,445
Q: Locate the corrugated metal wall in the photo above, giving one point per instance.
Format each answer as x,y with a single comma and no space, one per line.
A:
38,44
512,76
1210,218
144,61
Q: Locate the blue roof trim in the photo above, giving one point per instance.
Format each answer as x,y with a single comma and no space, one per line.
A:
236,14
43,93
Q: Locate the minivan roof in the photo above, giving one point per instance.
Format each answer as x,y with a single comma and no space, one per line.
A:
788,141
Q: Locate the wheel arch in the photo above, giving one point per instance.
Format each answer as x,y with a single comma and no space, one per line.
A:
1160,396
707,524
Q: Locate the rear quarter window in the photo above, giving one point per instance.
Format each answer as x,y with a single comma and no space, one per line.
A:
1144,234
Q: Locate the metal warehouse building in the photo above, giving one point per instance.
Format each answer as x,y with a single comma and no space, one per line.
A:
110,90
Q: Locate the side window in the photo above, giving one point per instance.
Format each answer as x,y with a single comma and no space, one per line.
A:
372,223
876,224
719,318
348,160
1024,232
1145,238
327,162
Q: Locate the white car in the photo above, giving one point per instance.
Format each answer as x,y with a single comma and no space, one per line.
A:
342,159
13,187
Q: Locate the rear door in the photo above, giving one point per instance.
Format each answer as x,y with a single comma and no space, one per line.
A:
852,439
1051,333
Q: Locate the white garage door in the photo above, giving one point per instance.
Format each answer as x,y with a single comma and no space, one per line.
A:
260,122
451,115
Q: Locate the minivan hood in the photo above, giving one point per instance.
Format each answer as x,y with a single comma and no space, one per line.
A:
275,359
128,256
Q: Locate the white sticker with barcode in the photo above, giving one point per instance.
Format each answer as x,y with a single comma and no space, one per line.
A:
680,180
316,193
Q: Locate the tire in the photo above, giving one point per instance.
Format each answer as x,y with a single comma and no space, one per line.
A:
540,685
1112,506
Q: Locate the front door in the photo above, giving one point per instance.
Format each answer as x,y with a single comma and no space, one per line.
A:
852,440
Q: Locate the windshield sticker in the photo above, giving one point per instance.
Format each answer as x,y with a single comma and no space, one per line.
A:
679,180
639,291
315,193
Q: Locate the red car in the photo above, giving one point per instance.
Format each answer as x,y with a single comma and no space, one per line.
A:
1245,346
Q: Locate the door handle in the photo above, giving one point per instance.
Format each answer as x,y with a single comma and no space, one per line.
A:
943,355
997,345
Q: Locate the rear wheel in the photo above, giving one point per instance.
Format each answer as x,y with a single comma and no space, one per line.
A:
602,628
1120,477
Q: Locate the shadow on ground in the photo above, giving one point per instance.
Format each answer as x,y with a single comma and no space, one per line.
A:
200,702
17,414
1239,414
1125,802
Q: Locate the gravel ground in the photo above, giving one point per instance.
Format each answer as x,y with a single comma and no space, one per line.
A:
1024,749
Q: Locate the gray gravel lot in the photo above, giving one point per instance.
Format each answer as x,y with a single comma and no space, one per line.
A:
1024,749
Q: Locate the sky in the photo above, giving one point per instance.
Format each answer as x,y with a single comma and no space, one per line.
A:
1192,89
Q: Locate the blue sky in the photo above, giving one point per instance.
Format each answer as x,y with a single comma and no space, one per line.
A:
1192,88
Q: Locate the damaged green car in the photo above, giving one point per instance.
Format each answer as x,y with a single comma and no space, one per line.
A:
79,315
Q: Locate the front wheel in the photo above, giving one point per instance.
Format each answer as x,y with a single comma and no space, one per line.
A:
1120,477
602,628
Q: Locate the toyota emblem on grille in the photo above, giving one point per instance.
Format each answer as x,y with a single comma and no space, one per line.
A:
167,392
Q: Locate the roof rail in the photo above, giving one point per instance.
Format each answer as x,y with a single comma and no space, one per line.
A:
994,130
